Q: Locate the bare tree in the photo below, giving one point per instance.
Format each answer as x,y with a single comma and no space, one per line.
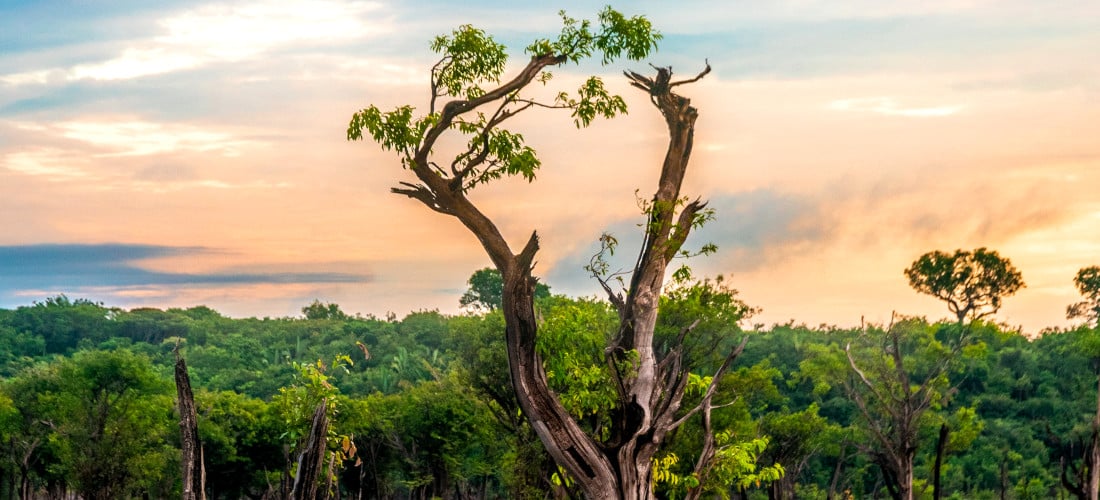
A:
191,462
896,398
650,390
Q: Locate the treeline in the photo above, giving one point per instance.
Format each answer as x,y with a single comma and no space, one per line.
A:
422,406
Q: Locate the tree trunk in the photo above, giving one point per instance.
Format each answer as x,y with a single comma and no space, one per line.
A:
941,447
837,471
190,446
1093,461
905,477
649,396
312,458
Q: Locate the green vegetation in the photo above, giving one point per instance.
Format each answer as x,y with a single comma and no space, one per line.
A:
422,406
654,392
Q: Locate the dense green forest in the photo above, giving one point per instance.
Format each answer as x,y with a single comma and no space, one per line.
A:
422,405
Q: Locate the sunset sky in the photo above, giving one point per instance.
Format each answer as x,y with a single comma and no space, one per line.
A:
171,154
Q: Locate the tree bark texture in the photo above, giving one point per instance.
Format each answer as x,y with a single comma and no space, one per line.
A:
190,446
312,458
650,390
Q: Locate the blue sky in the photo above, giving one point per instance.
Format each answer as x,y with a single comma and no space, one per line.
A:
179,153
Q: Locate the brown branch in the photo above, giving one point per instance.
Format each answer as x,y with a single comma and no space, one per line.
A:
683,227
453,109
436,69
697,77
423,194
678,349
483,135
867,382
713,384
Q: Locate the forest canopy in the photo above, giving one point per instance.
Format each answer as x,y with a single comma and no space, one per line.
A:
429,412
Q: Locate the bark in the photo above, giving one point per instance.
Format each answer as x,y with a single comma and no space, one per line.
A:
650,393
312,458
190,446
837,471
941,447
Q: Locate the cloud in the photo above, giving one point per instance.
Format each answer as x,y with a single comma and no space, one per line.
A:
217,33
138,138
73,266
751,229
53,164
889,106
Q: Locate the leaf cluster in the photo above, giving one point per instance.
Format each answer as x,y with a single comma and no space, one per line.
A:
469,73
973,283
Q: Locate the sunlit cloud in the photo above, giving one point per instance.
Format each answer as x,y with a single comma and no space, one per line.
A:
222,33
30,77
53,164
174,186
137,138
133,63
888,106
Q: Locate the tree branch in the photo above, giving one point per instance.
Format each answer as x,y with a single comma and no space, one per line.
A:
709,394
697,77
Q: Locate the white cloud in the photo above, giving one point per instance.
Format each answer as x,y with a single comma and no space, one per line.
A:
138,138
38,77
134,63
54,164
222,33
888,106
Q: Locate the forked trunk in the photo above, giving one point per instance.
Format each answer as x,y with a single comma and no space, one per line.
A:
650,396
649,392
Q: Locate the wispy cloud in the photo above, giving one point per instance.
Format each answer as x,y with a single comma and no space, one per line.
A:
54,164
137,138
890,106
221,33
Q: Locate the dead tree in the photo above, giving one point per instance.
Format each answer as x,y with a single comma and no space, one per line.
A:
311,460
190,446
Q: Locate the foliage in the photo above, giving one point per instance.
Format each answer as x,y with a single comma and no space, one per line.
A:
1087,282
571,343
297,404
471,59
972,283
102,418
1018,406
318,310
486,291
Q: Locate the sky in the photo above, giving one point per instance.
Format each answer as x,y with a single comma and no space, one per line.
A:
172,154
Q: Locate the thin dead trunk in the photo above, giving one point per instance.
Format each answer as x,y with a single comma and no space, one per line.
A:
837,471
941,447
1094,451
190,447
312,458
